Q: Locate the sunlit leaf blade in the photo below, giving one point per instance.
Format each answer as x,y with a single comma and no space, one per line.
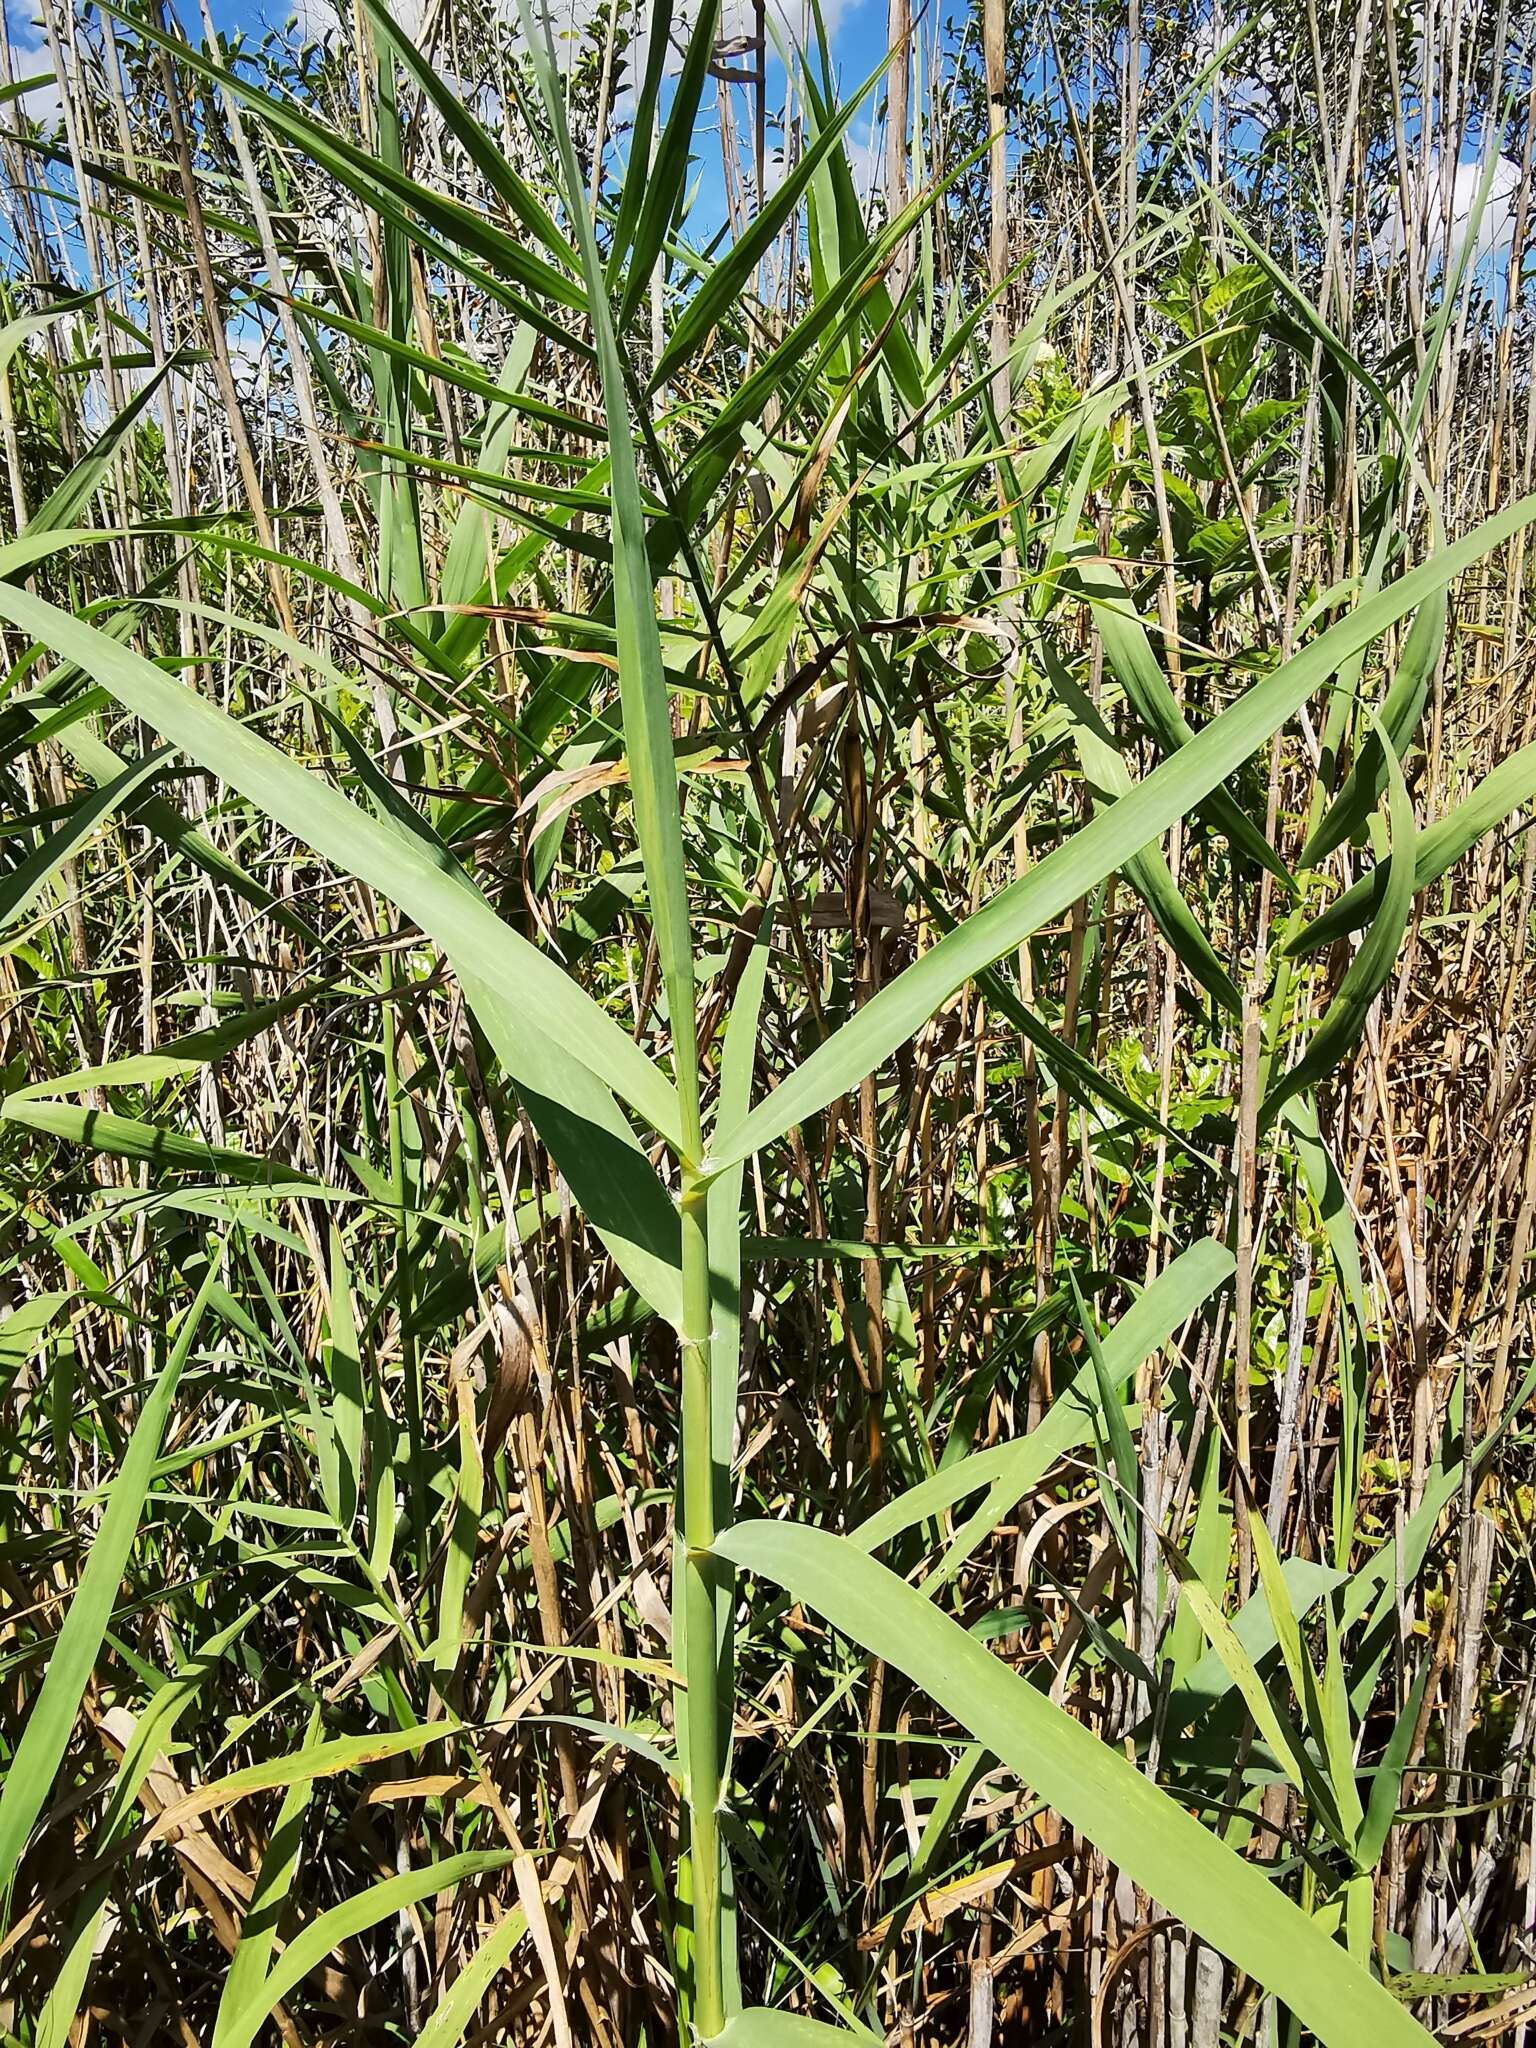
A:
330,1929
45,1736
1093,852
1506,788
395,862
1342,1024
1187,1870
643,691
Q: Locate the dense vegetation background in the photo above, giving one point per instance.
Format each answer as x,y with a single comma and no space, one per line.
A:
767,1162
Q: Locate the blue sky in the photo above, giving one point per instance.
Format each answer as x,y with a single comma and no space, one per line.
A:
857,33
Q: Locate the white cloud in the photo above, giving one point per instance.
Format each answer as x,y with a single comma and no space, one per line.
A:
312,20
1426,212
797,18
316,20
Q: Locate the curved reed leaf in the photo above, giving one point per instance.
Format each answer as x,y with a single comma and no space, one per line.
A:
1095,851
1190,1872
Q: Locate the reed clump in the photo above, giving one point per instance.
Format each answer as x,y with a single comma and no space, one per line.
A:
766,1146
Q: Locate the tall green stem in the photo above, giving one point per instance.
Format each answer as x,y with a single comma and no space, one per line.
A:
700,1596
646,706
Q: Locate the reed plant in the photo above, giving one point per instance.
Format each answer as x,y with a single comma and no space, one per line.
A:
764,1275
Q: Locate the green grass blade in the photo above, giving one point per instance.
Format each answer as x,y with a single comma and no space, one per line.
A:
1342,1024
179,1056
302,1766
394,862
646,705
1399,715
659,181
1172,789
1218,1894
729,278
127,1137
457,2007
1147,872
761,2027
1439,846
457,232
63,506
1012,1468
151,1735
1120,1495
478,144
45,1738
344,1362
325,1934
258,1924
1271,1720
1128,650
1386,1785
20,888
16,333
464,565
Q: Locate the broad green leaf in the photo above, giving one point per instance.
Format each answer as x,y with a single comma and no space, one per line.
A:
1071,870
1128,650
646,706
1147,872
64,505
1438,847
759,2026
151,1735
505,963
179,1056
301,1766
126,1137
1342,1024
720,290
20,888
1010,1469
50,1722
458,2005
258,1924
1219,1895
1399,718
324,1935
